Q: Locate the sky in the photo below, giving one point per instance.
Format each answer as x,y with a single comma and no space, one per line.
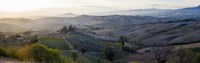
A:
21,7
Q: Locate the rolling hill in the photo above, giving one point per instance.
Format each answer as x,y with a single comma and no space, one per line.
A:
11,28
158,33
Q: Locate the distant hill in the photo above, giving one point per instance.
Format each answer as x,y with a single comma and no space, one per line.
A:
84,21
192,8
186,12
16,21
142,12
179,13
68,15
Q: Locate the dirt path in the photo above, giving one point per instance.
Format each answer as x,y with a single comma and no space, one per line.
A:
70,46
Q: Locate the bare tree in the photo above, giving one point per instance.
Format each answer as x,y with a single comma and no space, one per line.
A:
161,54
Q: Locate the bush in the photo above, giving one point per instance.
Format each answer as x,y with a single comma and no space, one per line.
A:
24,53
74,55
2,51
35,52
40,53
10,52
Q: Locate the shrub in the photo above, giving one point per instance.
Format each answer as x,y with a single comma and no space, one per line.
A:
74,55
10,52
2,51
40,53
108,54
24,54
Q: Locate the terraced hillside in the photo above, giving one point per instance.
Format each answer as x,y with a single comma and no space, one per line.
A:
159,33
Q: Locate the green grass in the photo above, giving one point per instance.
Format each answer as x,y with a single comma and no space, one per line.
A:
57,43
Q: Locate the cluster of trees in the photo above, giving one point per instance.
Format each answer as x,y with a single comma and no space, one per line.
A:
9,38
109,54
66,29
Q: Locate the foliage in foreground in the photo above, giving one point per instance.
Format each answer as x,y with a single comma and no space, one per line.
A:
35,53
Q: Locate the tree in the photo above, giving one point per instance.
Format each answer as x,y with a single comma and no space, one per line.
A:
161,54
63,30
108,54
74,45
122,40
83,50
185,56
71,28
74,55
35,39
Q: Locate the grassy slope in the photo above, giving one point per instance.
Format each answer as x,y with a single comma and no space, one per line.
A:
57,43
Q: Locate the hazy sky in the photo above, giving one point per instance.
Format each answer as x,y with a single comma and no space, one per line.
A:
89,6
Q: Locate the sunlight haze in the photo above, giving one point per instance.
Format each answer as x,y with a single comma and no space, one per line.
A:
26,7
